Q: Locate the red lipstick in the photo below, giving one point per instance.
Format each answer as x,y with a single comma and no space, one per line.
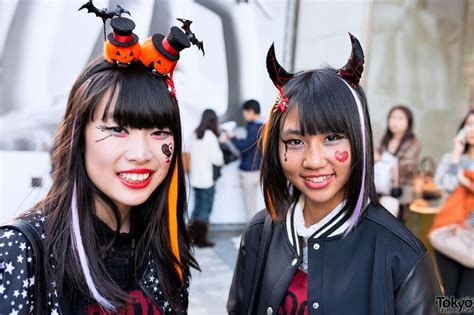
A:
135,184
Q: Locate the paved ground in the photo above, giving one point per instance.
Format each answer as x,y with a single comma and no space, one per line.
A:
210,287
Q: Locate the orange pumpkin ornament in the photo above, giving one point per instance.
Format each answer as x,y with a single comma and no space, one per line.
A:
122,46
161,53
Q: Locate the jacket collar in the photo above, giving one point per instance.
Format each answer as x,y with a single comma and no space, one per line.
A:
335,223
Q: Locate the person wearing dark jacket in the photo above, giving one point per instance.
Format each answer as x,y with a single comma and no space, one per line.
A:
111,231
251,156
323,245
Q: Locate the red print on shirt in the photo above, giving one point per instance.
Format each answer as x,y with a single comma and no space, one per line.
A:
137,303
295,301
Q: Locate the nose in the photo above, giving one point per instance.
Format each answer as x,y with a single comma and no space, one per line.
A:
315,157
138,150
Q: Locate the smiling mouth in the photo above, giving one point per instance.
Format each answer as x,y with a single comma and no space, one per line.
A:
134,177
318,179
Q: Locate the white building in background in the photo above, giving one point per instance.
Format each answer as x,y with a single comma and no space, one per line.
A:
44,44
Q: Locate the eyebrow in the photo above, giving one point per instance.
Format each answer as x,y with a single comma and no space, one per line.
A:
291,131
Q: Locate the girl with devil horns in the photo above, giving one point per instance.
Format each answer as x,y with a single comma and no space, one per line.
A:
111,235
324,245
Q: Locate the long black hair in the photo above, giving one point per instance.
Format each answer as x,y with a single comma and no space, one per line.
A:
407,136
209,121
325,104
461,126
143,101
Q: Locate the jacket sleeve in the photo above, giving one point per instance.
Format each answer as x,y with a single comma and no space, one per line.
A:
446,176
417,292
217,156
251,139
16,273
239,294
408,161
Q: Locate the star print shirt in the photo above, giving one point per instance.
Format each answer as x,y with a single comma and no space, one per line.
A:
16,268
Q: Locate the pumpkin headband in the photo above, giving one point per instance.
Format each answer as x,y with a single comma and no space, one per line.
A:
158,53
351,72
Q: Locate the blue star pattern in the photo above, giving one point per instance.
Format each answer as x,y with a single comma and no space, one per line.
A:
16,273
17,279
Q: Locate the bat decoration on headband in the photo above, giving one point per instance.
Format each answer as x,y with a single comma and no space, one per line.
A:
192,38
352,70
104,14
279,78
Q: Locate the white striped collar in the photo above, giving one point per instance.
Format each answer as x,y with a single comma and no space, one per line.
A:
334,223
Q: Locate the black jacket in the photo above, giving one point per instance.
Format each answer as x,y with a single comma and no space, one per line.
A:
250,151
17,279
378,268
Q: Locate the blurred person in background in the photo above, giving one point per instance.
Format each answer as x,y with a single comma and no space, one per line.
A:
251,156
206,158
400,144
455,174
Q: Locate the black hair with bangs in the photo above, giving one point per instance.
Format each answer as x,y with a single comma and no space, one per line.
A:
325,104
142,102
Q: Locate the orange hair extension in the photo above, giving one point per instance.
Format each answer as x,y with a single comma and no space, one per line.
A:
270,209
268,199
173,216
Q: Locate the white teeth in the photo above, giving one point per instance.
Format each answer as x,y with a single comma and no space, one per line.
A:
134,177
319,179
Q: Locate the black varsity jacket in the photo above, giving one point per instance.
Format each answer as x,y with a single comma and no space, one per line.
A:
378,268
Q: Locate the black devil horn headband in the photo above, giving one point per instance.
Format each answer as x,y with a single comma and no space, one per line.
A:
352,71
278,75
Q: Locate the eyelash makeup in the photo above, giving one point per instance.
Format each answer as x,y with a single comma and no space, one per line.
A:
104,129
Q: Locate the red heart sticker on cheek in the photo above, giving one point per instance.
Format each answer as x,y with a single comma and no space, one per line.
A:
341,156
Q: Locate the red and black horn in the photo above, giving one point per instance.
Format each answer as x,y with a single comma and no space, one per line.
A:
278,75
352,71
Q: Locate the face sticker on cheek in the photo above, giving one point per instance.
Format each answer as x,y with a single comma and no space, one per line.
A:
167,149
341,156
286,152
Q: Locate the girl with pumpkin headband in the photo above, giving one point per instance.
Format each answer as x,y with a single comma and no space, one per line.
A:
324,244
112,225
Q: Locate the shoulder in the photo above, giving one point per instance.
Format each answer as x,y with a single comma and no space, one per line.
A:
254,228
445,158
396,235
411,144
209,135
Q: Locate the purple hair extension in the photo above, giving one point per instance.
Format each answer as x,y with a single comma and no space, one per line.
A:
76,240
360,200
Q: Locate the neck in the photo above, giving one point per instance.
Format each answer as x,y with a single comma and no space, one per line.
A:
105,214
470,151
312,214
397,136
